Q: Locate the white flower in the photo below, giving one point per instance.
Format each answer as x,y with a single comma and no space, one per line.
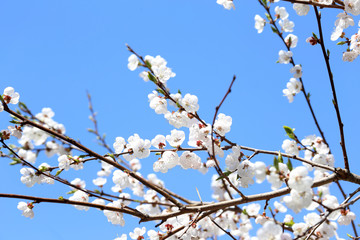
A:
232,160
119,145
138,233
299,228
80,196
291,40
64,162
293,87
157,103
298,200
281,12
352,6
297,71
159,141
139,147
190,160
227,4
260,171
252,209
349,56
299,179
246,172
285,57
190,103
79,183
286,25
29,178
133,62
301,9
10,96
163,73
144,75
15,131
336,33
28,156
269,231
76,163
100,182
259,23
26,208
115,218
346,217
344,20
279,207
290,147
222,124
44,168
176,138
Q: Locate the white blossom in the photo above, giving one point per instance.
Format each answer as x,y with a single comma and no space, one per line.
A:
259,23
26,209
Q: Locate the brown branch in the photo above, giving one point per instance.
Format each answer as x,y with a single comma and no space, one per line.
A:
94,154
229,203
316,4
126,210
335,101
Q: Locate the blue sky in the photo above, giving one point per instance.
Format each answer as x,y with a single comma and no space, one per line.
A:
52,52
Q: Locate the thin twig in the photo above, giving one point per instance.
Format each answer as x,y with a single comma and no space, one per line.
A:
335,101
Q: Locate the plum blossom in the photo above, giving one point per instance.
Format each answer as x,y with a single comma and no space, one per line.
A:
352,6
15,131
280,12
299,179
27,155
176,138
346,217
100,182
26,209
190,160
79,183
260,171
227,4
259,23
80,196
246,172
190,103
301,9
232,160
222,124
119,145
115,218
287,25
138,233
157,103
133,62
290,147
285,57
269,231
297,71
291,40
29,178
168,160
349,56
10,96
140,147
159,141
293,87
298,200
